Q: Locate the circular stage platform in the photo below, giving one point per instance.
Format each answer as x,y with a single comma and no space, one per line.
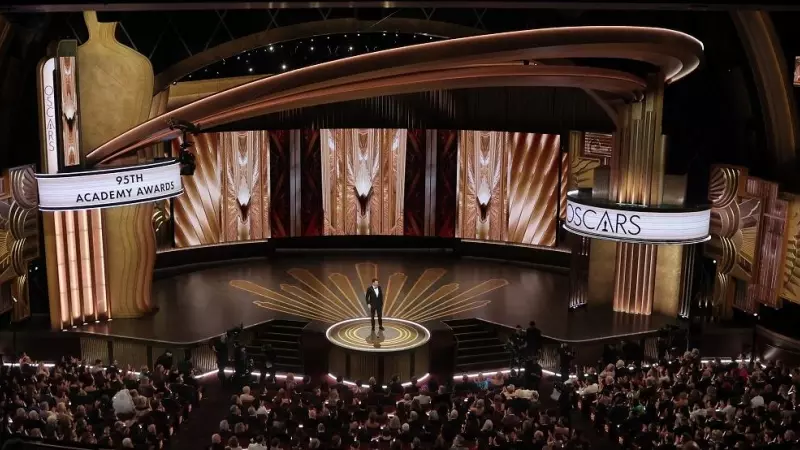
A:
358,353
398,335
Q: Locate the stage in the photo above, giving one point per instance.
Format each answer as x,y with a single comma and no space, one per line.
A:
197,306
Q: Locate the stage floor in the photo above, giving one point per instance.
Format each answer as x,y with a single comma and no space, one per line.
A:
422,288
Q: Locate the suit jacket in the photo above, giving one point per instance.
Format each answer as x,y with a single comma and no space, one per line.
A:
376,301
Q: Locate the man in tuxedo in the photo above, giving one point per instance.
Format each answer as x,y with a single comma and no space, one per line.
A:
374,298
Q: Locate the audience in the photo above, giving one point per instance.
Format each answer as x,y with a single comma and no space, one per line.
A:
93,406
685,403
476,415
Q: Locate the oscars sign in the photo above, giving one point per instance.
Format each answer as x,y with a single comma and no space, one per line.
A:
105,188
629,223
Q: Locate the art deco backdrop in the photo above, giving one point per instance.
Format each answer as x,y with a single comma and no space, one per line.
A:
252,185
363,181
508,186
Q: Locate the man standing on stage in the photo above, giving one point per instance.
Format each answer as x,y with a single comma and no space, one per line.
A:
374,298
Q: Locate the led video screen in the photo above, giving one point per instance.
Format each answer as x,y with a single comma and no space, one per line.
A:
484,185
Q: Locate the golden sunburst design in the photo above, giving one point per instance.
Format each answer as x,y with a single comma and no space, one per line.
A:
421,302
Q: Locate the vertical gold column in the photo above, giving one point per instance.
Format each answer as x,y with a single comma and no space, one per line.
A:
637,177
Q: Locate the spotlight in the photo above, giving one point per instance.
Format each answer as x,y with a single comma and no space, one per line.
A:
350,48
271,48
311,48
283,66
250,70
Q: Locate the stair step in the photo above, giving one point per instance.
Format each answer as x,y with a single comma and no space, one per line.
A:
481,352
475,334
266,335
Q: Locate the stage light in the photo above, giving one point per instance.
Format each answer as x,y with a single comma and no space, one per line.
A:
250,70
311,48
238,57
350,48
283,66
271,48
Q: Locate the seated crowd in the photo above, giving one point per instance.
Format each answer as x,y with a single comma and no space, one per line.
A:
686,403
472,413
95,406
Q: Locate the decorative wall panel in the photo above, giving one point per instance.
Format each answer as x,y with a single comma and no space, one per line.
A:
198,211
771,244
245,185
414,203
363,181
534,188
593,150
279,183
791,266
446,183
312,213
508,186
483,176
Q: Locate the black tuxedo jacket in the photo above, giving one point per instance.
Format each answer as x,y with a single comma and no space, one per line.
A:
376,301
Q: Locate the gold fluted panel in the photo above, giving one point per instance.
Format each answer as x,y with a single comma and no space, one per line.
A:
791,267
634,278
533,188
130,254
245,185
637,177
198,210
363,181
483,169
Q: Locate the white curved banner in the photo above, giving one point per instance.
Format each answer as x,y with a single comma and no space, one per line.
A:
639,226
109,187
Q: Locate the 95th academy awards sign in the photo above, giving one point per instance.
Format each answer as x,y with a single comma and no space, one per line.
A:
109,187
626,223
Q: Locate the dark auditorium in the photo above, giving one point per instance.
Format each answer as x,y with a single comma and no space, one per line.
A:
399,225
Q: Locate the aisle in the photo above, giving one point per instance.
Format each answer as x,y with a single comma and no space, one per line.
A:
195,433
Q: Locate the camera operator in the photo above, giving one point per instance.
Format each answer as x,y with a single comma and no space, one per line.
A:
267,363
220,347
533,340
566,355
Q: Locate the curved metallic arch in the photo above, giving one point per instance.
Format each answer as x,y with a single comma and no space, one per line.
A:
676,54
308,30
